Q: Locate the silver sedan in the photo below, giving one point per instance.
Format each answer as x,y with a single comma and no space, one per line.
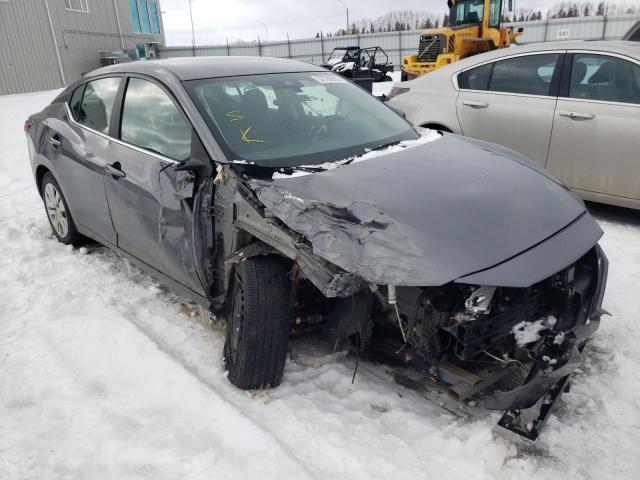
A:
573,107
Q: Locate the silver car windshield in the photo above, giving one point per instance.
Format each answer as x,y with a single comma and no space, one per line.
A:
294,119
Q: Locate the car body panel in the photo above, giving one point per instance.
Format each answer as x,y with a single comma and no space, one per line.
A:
418,232
152,224
490,116
543,259
80,158
598,154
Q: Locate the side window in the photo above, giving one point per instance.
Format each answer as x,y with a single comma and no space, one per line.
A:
151,120
531,74
97,103
599,77
476,78
75,102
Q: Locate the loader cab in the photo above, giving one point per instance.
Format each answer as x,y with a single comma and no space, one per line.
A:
472,12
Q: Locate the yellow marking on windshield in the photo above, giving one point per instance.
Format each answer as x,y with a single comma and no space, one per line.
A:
249,140
234,115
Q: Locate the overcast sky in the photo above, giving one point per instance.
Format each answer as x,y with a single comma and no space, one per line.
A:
217,20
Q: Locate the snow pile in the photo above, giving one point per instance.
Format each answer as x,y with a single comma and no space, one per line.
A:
107,375
529,332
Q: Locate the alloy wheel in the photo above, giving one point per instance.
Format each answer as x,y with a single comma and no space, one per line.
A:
56,211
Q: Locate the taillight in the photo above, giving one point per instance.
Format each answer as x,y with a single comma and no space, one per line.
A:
27,126
395,91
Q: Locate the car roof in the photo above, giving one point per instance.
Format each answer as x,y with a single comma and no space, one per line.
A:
623,47
193,68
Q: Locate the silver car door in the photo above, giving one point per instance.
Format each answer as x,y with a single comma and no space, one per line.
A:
595,146
511,102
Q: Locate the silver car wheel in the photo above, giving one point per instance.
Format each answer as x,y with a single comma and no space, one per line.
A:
55,210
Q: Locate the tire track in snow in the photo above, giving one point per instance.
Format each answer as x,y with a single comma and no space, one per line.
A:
176,356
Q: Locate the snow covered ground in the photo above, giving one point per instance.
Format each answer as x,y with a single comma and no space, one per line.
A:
104,374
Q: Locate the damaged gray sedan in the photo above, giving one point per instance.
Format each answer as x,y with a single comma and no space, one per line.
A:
284,198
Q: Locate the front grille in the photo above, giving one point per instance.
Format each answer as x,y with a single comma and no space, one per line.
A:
430,47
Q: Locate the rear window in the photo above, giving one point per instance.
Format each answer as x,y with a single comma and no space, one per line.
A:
76,101
476,78
530,74
97,103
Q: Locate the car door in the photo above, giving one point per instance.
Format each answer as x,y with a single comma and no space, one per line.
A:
151,215
511,102
595,146
80,149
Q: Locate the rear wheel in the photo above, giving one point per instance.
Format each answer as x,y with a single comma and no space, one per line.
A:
258,316
58,212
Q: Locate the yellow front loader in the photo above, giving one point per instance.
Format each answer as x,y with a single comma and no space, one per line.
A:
474,27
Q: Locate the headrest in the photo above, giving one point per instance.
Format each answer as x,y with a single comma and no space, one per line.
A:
254,100
578,72
604,74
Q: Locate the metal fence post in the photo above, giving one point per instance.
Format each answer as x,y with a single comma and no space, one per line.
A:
400,47
288,45
358,36
322,46
604,27
228,49
259,47
546,27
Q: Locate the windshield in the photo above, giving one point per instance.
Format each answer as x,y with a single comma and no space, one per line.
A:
467,11
343,53
295,119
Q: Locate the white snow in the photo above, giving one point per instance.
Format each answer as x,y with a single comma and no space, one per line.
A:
529,332
426,136
106,375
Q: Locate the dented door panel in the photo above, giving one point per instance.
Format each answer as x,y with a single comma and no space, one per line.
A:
151,223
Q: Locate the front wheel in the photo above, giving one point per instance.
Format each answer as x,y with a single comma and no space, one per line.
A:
258,317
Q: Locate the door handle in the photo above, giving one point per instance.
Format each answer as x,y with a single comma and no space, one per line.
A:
54,140
576,115
115,170
473,104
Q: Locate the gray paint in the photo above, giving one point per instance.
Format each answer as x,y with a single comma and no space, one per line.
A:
28,57
186,69
434,213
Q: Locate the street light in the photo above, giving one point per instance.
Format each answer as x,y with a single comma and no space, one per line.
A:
347,8
193,32
266,30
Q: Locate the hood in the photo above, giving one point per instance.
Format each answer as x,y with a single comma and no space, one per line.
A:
427,215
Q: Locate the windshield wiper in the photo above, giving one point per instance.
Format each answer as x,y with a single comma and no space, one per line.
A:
367,150
290,170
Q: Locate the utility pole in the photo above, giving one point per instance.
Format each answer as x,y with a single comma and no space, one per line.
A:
266,31
347,8
193,31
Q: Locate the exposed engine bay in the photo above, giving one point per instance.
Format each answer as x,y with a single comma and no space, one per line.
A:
512,347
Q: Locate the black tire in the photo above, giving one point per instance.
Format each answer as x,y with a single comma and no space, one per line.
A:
387,78
403,77
258,322
70,235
